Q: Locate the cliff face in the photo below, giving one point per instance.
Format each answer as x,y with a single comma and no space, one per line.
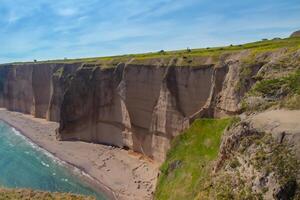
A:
133,106
33,89
137,104
59,84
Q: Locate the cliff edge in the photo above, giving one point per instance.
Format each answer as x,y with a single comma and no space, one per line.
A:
140,102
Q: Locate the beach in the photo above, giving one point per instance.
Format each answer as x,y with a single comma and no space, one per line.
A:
118,173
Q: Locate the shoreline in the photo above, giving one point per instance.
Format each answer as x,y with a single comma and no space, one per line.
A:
75,170
114,183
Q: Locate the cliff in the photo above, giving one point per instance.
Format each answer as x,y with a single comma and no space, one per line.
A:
138,102
129,105
253,155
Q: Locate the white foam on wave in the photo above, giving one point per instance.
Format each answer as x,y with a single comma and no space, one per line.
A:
38,148
76,171
45,164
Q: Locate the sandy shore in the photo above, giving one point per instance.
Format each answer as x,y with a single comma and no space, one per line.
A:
118,173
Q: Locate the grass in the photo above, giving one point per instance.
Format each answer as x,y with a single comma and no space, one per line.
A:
190,159
215,52
282,91
273,87
24,194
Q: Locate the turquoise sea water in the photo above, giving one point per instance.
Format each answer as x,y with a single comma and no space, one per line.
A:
24,165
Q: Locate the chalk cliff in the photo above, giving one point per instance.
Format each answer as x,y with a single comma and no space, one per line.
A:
138,104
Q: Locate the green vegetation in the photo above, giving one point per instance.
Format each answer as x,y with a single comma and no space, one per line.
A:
277,87
189,161
215,52
292,103
24,194
188,172
282,92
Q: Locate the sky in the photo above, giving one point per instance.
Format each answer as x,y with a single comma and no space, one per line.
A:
57,29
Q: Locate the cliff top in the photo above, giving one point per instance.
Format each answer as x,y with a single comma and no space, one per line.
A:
187,56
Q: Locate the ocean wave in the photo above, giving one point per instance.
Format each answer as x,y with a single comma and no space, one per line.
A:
10,144
45,164
75,170
38,148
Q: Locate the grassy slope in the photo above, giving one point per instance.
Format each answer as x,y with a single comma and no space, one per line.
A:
22,194
190,159
215,52
281,92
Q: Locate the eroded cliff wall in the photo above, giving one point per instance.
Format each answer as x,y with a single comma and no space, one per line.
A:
139,105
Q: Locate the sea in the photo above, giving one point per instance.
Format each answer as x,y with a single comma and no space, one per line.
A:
25,165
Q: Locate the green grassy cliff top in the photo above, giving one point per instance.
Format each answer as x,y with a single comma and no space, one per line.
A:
215,52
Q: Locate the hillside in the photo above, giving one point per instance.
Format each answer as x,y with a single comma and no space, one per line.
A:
190,159
256,156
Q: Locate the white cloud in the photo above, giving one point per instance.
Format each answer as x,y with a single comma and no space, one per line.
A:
78,28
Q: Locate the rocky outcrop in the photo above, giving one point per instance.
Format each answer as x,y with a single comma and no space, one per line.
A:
295,34
261,154
134,104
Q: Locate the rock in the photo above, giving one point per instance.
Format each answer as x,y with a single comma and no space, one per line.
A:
283,124
266,146
174,165
295,34
287,191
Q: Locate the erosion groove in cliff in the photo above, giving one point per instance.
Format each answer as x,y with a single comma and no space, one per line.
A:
133,103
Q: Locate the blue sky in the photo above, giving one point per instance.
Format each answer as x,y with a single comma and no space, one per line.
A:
53,29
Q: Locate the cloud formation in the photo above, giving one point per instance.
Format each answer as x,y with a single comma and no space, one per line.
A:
47,29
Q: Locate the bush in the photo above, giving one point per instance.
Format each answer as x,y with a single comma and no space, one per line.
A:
278,87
